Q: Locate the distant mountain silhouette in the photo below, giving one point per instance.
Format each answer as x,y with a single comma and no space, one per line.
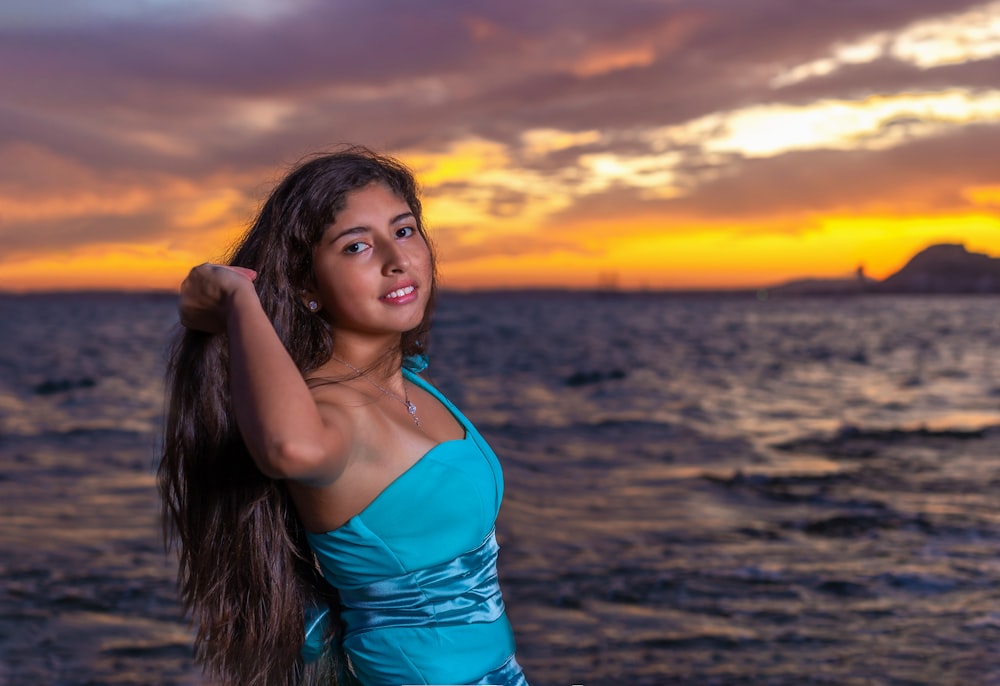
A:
942,268
857,284
946,268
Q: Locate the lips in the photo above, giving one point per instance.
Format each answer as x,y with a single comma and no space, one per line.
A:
399,292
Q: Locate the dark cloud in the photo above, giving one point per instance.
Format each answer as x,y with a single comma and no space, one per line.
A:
134,99
923,177
434,70
65,235
452,247
890,76
500,202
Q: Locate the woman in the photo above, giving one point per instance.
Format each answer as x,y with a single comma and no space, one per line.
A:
315,483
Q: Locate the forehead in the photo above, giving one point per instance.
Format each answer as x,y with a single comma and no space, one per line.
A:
373,200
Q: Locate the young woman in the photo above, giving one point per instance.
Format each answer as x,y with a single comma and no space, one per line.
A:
327,500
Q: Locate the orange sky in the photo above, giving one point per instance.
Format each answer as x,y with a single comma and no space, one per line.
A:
631,145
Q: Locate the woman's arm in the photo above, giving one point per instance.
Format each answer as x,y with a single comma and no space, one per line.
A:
283,428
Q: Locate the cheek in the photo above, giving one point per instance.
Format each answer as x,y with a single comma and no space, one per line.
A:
424,258
340,307
342,293
334,287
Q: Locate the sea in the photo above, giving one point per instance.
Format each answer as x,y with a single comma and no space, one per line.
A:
700,489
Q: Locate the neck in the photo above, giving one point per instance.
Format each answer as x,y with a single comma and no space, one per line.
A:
379,358
388,392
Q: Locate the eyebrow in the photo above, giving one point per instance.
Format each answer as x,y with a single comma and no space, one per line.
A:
364,229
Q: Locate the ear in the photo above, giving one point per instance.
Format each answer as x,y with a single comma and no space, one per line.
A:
311,301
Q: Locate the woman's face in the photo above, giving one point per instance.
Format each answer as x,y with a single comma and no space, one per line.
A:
372,266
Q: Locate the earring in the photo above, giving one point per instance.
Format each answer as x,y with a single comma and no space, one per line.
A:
313,305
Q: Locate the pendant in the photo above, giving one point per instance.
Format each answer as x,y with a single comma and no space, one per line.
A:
412,409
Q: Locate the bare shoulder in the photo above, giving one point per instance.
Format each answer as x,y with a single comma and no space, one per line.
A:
325,503
339,406
351,414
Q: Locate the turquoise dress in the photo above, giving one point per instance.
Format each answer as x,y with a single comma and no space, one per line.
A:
416,571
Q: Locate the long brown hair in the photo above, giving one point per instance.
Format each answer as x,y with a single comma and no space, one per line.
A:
247,573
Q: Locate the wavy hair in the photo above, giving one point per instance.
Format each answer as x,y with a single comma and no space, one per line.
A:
246,572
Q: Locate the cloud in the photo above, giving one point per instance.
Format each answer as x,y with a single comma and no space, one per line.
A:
131,122
789,192
953,38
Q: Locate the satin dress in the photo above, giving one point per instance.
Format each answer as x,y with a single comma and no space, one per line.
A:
416,570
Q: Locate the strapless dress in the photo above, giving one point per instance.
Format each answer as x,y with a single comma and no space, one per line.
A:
416,571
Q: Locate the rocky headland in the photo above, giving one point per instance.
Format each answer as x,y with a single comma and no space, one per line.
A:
946,268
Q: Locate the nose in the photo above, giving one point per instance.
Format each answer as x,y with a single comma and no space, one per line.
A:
396,260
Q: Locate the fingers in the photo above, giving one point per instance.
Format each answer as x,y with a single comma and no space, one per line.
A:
207,292
243,271
209,272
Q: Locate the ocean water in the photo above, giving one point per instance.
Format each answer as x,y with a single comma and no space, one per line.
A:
700,490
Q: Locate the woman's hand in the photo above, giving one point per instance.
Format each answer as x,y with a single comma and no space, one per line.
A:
208,293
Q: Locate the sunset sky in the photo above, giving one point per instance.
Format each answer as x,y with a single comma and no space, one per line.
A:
565,143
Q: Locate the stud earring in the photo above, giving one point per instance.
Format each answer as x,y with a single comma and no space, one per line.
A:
313,305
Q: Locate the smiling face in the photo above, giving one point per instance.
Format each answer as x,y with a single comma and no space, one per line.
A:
372,266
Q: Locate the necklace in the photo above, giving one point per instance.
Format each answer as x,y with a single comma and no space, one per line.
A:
410,407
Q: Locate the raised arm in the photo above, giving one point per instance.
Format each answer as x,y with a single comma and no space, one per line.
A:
285,431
